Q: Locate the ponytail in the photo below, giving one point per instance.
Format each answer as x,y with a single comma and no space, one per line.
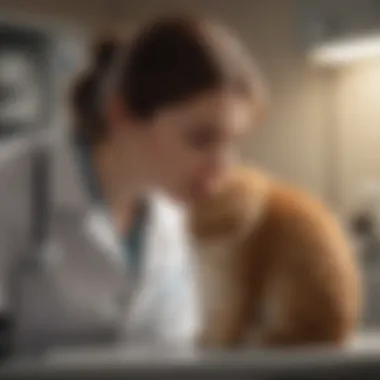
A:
89,120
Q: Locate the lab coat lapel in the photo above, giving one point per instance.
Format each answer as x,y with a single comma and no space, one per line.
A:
98,226
158,259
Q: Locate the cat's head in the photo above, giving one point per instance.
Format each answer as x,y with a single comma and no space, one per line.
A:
230,209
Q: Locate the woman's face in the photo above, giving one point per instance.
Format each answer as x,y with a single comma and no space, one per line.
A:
186,147
191,144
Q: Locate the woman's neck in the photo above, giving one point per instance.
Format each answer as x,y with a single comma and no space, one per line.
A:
118,186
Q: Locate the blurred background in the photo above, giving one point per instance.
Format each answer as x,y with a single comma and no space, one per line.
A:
321,62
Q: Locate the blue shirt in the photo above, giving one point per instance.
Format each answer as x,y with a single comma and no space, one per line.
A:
133,240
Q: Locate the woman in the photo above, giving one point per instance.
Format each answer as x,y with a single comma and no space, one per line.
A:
157,115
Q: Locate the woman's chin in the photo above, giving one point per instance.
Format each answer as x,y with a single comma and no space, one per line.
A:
176,195
188,194
197,194
185,196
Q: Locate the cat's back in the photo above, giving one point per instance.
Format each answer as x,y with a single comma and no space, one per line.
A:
299,219
305,243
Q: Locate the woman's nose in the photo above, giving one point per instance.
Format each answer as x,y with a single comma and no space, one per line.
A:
214,172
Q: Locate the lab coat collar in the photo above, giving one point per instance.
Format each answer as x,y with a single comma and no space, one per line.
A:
70,183
96,221
164,214
99,228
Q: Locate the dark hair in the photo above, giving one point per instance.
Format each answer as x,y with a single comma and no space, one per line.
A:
170,60
85,99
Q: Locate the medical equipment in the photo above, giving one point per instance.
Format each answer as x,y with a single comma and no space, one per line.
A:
25,267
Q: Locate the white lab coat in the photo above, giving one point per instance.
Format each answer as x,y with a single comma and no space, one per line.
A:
79,289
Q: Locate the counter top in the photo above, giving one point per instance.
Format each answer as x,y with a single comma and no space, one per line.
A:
362,356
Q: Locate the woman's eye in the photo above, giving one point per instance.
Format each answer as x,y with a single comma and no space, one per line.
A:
202,139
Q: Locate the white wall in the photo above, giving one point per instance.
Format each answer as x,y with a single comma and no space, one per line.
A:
87,13
358,123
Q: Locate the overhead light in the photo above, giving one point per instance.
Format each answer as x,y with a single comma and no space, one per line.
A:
345,51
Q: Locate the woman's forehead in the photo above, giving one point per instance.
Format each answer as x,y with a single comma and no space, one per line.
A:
217,108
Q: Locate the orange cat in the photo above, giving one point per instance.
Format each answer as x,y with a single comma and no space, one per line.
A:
275,268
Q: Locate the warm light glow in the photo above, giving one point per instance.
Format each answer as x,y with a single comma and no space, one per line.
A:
345,51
